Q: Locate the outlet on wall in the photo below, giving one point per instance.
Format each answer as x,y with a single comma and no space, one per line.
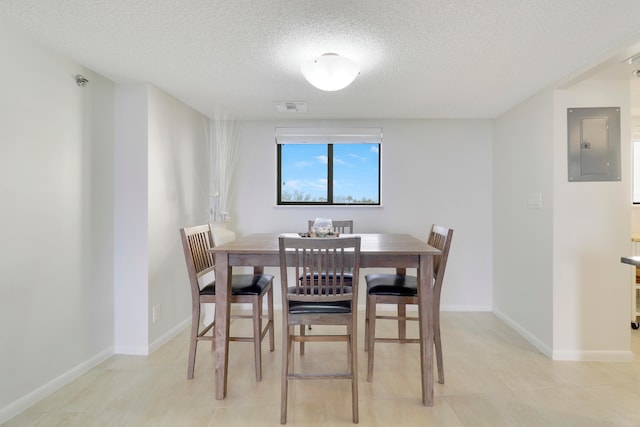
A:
156,313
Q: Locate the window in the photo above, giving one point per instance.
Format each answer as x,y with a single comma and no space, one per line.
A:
328,166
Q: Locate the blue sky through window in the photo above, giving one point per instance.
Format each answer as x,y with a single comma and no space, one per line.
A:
355,172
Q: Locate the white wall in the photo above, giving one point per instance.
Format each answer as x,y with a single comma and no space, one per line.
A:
95,183
592,227
56,249
559,281
161,186
433,171
178,197
131,270
523,159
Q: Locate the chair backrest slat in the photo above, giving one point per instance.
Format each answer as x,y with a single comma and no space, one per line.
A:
199,245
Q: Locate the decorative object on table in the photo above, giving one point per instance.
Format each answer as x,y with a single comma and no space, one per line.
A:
221,233
313,234
223,157
322,227
340,226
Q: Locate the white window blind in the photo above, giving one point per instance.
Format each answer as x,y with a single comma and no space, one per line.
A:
365,135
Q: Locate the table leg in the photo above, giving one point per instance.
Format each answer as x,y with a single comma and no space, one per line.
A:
223,308
425,307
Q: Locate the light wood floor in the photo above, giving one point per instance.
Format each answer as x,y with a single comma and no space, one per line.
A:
493,378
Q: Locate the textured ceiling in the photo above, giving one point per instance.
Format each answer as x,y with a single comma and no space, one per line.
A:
419,59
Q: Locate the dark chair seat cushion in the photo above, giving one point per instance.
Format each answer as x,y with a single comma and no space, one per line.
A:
299,307
243,284
391,284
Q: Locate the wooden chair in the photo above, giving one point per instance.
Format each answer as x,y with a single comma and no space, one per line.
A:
341,226
246,288
401,290
319,299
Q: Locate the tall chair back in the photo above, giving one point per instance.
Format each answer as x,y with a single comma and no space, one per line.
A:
196,242
439,237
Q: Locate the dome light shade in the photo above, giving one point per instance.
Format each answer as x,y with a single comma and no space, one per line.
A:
330,71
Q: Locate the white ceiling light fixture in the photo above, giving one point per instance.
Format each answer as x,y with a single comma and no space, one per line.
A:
330,71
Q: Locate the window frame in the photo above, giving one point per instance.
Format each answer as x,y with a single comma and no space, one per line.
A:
328,137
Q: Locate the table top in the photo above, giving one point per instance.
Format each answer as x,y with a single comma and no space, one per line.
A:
378,243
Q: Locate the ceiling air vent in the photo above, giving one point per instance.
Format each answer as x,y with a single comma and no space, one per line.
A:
290,107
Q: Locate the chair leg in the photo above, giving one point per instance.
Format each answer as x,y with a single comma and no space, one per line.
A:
213,331
353,359
302,333
284,382
372,335
270,319
438,343
257,332
193,344
366,323
402,322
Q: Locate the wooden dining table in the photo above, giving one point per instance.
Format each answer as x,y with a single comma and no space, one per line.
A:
377,250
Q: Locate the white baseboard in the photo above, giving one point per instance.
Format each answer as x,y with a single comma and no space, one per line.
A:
157,343
131,351
594,356
165,338
567,355
532,339
40,393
